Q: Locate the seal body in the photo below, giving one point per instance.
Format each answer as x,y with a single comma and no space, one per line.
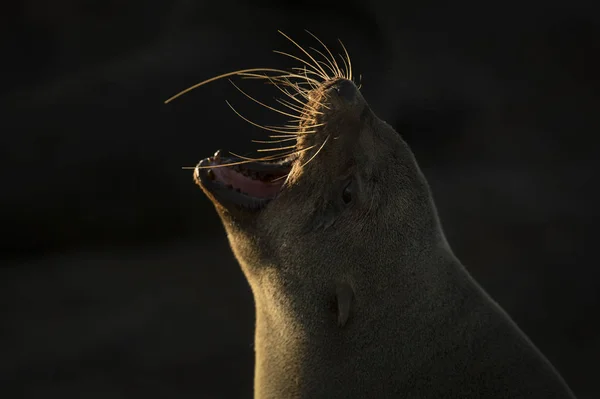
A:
357,293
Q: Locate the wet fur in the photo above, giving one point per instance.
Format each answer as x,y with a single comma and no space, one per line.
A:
367,299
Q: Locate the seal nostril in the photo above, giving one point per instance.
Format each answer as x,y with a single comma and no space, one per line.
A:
345,89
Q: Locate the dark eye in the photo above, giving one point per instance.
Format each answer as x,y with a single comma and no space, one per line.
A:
347,193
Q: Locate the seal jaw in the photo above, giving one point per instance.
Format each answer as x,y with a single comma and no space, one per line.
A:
236,183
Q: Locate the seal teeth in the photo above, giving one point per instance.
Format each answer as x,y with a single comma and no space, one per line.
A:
211,174
217,155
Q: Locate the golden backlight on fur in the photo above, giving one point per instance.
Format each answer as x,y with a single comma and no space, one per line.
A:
298,85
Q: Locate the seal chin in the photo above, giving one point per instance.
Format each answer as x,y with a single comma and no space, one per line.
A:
236,184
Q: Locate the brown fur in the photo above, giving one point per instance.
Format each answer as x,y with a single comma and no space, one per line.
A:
367,299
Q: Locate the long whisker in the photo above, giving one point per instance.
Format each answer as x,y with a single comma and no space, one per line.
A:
277,149
293,97
245,160
314,70
256,124
302,103
294,107
288,127
234,73
332,59
295,153
349,62
345,74
325,64
264,105
290,105
313,86
279,79
265,158
273,141
316,153
299,90
272,157
275,136
304,80
303,68
325,76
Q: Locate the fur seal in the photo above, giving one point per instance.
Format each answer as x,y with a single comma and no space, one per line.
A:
357,292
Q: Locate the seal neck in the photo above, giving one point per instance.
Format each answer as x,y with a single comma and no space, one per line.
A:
298,340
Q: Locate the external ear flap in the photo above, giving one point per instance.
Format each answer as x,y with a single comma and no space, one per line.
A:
344,295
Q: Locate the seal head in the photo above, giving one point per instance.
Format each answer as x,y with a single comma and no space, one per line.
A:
350,170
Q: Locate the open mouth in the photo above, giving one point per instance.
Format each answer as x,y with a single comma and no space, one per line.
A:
249,186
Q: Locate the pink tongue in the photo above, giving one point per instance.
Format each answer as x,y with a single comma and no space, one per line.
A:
247,185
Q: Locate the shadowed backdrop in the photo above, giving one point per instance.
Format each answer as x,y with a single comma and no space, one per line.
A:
116,278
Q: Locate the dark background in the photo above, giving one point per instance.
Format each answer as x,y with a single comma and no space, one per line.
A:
117,280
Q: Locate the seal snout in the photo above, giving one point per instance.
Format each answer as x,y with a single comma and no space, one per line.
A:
345,90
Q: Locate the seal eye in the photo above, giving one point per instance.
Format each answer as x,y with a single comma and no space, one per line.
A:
347,193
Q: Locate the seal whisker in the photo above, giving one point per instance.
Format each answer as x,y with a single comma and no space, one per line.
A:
316,153
288,127
263,104
296,128
289,105
315,125
287,82
295,107
265,158
303,68
325,64
302,103
296,85
332,67
234,73
295,153
308,80
325,76
245,161
313,86
293,97
299,90
276,149
345,73
332,59
287,93
277,78
316,71
349,62
256,124
273,141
